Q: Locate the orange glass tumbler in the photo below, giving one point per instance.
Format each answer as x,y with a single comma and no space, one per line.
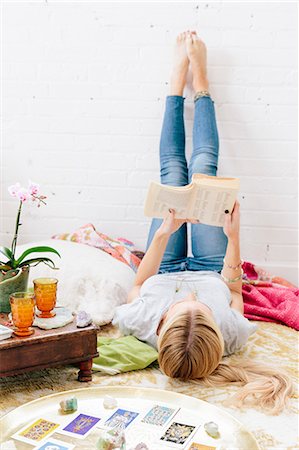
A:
22,310
45,292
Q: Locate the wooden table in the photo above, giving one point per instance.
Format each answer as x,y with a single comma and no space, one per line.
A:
49,348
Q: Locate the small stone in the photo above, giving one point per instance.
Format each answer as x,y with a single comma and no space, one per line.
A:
113,439
141,446
69,405
212,429
83,319
109,402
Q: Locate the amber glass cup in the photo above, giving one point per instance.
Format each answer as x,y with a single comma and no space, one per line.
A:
45,292
22,310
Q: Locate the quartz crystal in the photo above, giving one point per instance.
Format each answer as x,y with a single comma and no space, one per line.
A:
83,319
212,429
109,402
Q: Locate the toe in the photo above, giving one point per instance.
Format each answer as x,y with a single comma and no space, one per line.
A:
188,41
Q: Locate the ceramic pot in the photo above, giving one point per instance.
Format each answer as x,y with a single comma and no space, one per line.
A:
15,280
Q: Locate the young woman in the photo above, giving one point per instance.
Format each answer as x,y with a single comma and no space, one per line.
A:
191,308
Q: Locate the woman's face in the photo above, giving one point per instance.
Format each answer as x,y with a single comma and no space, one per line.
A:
187,303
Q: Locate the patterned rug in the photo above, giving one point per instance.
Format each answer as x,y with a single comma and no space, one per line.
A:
276,344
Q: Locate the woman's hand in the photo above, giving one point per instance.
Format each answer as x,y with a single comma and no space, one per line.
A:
170,224
231,226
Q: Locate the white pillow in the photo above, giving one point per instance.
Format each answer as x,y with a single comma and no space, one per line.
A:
89,278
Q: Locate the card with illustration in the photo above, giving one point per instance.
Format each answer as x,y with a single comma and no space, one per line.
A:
195,446
53,444
121,416
159,415
178,434
36,431
80,427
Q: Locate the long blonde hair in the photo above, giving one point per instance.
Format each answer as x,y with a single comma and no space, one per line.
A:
190,347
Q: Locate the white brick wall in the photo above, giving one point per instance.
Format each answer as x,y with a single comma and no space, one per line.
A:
83,98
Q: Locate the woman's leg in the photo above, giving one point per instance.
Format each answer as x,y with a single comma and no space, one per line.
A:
208,242
173,165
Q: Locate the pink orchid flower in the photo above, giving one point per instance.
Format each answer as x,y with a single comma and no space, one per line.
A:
23,195
33,188
13,190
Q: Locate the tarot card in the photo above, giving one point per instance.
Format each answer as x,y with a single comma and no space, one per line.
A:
159,415
53,444
195,446
178,434
80,427
36,431
121,416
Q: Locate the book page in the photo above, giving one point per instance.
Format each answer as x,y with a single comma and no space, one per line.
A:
210,202
162,197
220,182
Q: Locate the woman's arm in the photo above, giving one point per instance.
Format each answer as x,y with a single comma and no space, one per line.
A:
232,258
151,261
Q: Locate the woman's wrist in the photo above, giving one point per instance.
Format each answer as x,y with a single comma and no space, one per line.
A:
235,239
160,233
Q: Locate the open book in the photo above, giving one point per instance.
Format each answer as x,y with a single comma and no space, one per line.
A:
205,199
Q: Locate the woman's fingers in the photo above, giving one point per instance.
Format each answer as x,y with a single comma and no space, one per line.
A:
227,219
194,221
181,221
236,206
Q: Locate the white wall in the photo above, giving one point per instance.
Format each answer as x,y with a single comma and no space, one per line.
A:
83,98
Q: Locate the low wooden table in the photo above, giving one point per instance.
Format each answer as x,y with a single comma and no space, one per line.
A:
49,348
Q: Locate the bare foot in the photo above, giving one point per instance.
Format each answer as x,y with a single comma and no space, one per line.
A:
197,53
180,66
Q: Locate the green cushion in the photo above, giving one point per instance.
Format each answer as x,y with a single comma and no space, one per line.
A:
123,355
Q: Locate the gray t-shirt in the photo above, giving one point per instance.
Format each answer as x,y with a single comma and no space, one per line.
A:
141,317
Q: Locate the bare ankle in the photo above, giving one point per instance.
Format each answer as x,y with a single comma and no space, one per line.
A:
177,85
200,83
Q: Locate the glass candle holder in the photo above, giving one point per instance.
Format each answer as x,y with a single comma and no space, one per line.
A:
45,292
22,310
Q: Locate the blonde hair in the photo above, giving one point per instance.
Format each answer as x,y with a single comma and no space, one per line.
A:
190,347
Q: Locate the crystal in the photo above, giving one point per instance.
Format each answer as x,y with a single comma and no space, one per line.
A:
141,446
69,405
109,402
113,439
83,319
212,429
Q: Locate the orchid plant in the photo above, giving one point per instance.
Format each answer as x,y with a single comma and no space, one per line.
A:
25,195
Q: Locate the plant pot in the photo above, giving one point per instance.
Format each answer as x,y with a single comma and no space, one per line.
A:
15,280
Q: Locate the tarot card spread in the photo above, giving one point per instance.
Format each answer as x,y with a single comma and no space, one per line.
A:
53,444
159,415
80,427
178,433
36,432
121,416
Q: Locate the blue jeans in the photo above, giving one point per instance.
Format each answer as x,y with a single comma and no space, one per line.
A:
208,242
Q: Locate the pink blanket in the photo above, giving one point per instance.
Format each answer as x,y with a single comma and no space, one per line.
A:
270,302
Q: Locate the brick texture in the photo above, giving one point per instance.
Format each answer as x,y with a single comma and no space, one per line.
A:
83,89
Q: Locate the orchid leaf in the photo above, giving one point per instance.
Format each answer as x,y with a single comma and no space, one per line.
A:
6,252
35,250
31,262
